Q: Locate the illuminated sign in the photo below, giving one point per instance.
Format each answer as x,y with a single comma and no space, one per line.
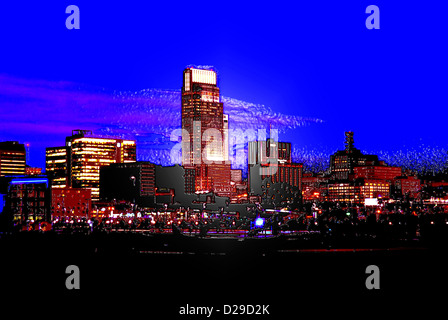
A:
203,76
94,140
371,201
29,181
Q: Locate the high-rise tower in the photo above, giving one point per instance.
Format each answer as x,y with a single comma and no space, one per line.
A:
205,132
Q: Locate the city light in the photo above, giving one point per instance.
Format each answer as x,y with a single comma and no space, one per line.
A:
29,181
90,176
259,222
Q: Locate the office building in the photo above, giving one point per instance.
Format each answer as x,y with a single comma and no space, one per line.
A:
56,166
357,191
12,158
264,164
343,162
25,199
33,171
355,176
84,155
379,172
131,182
236,175
409,186
265,151
70,202
205,134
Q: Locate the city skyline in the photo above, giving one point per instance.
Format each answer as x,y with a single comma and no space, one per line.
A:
313,83
79,170
231,149
155,145
214,158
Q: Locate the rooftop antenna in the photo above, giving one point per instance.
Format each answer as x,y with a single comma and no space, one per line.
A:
27,152
349,141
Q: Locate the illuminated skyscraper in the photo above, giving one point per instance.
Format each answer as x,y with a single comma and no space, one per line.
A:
12,158
205,133
56,166
85,154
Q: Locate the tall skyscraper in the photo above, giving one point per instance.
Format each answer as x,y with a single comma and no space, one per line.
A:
12,158
84,156
205,133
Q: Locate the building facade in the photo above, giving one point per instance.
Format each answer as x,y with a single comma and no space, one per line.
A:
358,190
56,166
266,151
33,171
343,162
84,155
409,186
12,158
131,182
70,202
204,134
25,199
382,172
263,164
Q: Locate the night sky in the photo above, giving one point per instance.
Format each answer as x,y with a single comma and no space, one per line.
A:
313,70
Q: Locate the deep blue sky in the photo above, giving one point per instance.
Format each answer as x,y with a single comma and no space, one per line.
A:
308,59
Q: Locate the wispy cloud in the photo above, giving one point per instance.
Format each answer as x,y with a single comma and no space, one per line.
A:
44,112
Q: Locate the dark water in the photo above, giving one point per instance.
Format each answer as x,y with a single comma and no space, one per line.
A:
154,279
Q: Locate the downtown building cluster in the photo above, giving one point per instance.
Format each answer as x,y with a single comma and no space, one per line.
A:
92,176
357,178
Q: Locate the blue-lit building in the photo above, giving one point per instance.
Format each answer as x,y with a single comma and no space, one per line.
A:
23,199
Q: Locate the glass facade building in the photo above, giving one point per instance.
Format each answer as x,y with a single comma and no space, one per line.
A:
204,134
84,156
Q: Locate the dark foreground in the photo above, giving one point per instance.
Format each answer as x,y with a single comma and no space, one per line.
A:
153,277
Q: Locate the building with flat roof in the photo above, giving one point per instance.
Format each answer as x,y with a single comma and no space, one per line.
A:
131,182
56,166
12,158
25,199
358,190
78,163
343,162
272,159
